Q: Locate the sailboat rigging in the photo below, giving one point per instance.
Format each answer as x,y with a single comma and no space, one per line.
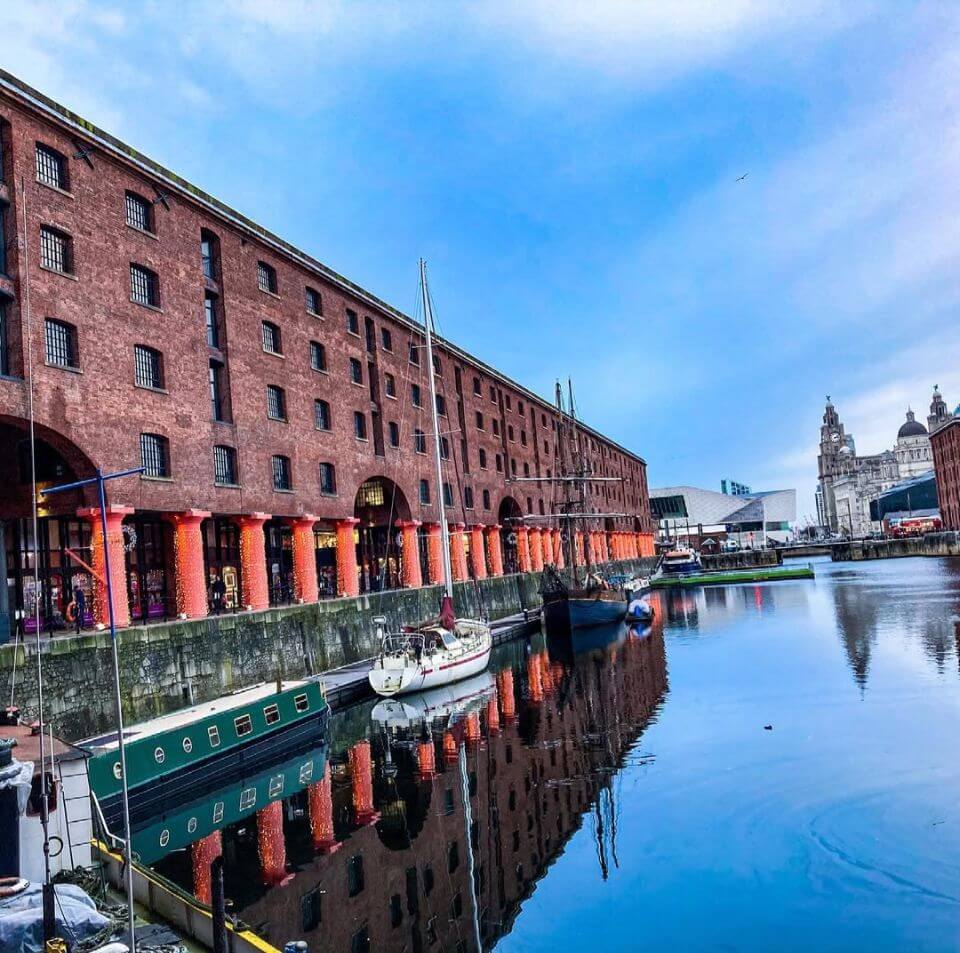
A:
444,649
590,600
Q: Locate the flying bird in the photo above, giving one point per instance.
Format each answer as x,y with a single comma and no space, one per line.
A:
742,177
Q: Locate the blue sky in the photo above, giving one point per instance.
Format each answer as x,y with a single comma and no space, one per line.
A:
569,172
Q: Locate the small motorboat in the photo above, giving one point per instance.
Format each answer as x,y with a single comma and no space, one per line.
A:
681,561
639,611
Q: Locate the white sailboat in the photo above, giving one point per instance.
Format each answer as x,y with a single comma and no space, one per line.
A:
445,649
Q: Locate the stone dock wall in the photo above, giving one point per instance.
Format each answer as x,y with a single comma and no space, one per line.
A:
742,559
168,666
933,544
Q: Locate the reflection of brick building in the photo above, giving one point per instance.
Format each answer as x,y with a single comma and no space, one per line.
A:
403,882
280,409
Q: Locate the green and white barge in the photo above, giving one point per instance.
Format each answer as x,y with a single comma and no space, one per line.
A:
197,745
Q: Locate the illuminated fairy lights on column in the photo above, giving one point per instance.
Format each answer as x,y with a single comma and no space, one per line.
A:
505,693
426,759
189,571
270,844
410,552
523,548
494,550
320,804
536,549
458,556
255,592
478,556
202,854
304,558
348,575
121,605
434,553
361,784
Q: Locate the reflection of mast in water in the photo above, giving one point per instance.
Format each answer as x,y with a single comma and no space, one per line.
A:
468,821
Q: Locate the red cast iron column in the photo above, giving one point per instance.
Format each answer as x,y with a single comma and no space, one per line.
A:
434,553
348,579
536,549
458,557
494,550
253,561
118,564
189,572
410,552
321,814
304,559
361,780
478,558
523,548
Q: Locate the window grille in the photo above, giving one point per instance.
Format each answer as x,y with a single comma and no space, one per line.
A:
138,212
61,341
147,367
281,473
271,338
276,404
313,301
143,286
266,278
318,356
154,457
55,250
359,425
328,479
51,167
224,466
321,412
356,371
353,323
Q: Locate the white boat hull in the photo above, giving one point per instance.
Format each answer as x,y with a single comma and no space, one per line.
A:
392,675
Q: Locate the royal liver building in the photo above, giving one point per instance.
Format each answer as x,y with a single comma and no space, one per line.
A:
848,482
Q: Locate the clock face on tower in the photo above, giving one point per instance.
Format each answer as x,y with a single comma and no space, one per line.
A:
835,437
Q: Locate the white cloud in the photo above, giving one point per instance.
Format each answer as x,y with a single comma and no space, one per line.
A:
651,41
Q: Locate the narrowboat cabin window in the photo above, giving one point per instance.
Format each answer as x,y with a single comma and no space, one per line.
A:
248,797
218,812
306,772
187,745
164,837
272,714
301,702
276,785
243,725
213,733
159,756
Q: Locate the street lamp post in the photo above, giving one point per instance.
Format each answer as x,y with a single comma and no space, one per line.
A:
100,479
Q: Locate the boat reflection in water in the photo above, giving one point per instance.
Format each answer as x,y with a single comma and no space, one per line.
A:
437,814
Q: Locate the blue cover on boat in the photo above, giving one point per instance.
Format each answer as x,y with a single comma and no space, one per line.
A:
21,918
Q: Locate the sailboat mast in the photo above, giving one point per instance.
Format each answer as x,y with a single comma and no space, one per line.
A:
581,473
444,529
571,544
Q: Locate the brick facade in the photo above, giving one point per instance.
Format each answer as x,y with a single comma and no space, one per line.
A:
945,444
93,414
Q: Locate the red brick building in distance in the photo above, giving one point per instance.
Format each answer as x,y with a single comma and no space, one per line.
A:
279,409
945,444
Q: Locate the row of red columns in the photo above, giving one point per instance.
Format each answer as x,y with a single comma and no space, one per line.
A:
536,548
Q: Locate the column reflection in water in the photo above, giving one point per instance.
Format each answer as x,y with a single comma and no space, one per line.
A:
494,775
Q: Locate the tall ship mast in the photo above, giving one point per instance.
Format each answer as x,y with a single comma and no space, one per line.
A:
443,649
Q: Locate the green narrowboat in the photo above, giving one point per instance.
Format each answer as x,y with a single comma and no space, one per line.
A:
192,745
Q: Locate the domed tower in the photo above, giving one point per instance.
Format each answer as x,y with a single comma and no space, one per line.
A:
913,452
837,456
939,414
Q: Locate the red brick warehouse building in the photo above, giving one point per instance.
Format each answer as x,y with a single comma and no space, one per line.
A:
279,409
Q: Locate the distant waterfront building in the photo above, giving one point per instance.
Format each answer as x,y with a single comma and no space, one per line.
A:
848,482
693,514
912,499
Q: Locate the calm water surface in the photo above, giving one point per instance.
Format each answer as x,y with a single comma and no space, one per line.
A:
626,792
